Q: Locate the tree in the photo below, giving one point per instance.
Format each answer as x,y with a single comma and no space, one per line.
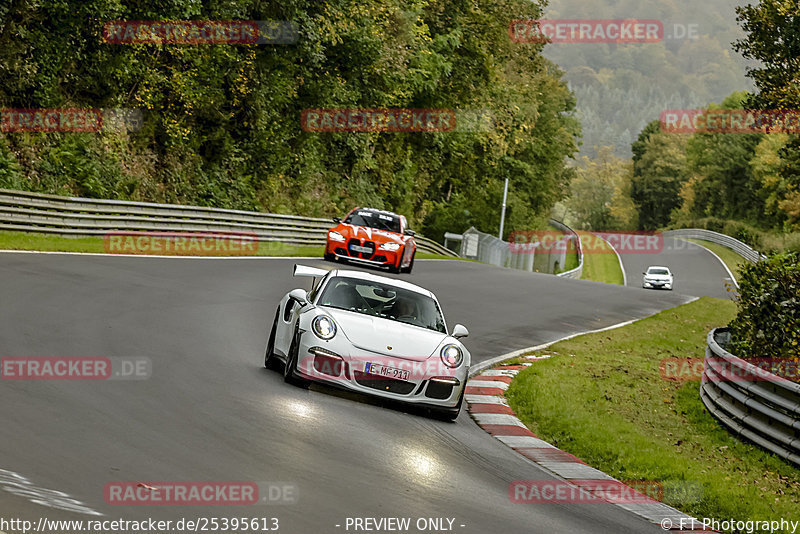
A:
600,193
720,162
773,39
659,171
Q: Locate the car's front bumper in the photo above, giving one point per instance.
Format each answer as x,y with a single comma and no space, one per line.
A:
429,383
380,257
656,285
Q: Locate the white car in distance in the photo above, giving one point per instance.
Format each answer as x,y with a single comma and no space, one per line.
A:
657,277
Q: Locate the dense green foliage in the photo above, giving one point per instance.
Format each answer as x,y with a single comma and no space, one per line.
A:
743,184
767,324
773,39
659,171
222,122
601,193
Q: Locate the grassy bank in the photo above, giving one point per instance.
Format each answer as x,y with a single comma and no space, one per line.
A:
602,398
601,264
54,243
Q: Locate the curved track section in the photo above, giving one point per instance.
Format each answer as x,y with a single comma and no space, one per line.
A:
211,412
697,271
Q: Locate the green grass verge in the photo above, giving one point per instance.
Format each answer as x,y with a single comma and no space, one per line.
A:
601,265
731,259
602,398
54,243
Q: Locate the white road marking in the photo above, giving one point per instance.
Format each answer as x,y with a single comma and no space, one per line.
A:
497,419
517,442
500,372
485,399
619,259
491,362
487,384
725,265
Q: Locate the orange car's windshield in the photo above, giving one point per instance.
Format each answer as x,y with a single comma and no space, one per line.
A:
373,219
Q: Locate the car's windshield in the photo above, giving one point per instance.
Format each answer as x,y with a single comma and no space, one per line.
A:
657,271
383,300
373,219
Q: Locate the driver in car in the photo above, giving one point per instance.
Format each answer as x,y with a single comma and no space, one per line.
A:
403,308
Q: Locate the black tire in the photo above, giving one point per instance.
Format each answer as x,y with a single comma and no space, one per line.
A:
269,356
329,257
451,414
410,264
397,269
291,362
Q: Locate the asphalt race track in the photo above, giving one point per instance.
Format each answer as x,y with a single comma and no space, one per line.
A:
696,271
211,412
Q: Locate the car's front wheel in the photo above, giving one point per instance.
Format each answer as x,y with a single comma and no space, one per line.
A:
291,362
451,414
411,263
397,269
269,357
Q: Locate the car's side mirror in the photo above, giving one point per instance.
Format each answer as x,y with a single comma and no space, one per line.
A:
644,272
299,296
460,331
410,232
337,219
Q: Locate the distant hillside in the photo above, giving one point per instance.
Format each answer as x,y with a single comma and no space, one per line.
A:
622,87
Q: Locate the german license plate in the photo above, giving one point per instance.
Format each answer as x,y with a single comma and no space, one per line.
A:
384,371
359,248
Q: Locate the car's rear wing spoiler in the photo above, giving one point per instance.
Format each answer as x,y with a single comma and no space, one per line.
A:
305,270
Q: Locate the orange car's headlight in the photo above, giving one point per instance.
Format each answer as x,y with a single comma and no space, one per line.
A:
336,236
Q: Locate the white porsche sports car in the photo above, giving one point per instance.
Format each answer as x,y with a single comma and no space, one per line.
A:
371,334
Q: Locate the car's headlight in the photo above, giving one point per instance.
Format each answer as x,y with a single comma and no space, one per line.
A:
452,355
336,236
323,326
391,247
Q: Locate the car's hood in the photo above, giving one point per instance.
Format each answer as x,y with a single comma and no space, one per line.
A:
365,232
659,277
377,335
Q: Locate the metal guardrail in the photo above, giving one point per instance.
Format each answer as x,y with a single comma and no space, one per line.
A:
87,217
744,250
490,249
766,411
487,248
577,272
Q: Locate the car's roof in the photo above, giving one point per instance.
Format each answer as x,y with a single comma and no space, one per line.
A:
657,267
375,210
383,279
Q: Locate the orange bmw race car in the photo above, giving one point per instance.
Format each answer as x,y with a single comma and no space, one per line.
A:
372,237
